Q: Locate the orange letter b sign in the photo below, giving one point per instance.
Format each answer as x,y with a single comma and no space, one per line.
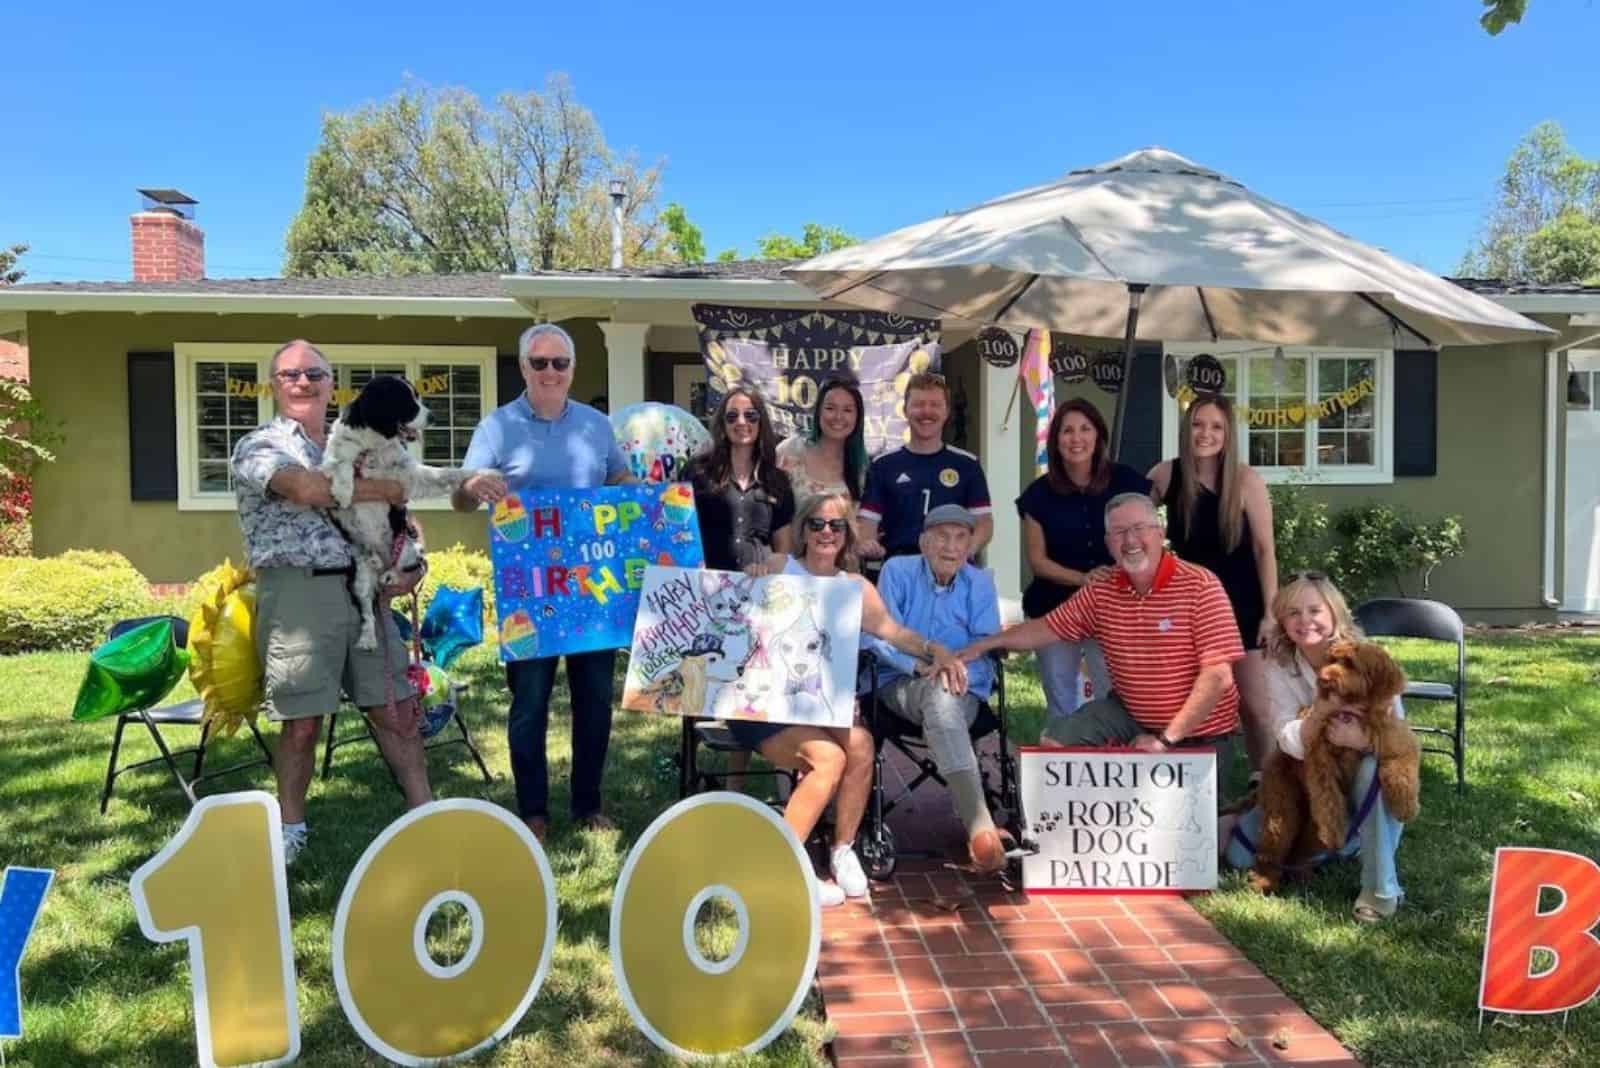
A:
1570,975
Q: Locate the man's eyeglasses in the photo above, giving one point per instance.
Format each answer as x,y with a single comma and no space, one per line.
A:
816,525
294,374
750,415
540,363
1138,530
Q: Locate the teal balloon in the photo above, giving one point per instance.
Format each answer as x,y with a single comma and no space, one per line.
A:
454,623
658,439
132,671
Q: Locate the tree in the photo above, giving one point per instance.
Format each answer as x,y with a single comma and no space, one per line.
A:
437,181
1501,13
683,236
1546,215
814,241
10,273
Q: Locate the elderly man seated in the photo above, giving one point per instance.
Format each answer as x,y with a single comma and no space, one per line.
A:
1169,639
946,600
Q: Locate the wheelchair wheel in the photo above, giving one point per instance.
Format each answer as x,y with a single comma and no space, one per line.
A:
877,854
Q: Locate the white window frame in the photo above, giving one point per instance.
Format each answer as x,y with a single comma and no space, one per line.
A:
187,353
1377,474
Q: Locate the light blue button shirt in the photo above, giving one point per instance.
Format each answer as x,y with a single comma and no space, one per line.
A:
955,615
574,450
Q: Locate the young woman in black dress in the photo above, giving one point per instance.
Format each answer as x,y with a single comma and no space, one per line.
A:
1220,517
743,500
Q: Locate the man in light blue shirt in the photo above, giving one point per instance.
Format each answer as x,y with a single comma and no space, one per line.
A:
947,600
546,440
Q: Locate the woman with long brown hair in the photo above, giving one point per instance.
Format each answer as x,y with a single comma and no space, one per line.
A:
1064,532
832,456
1220,517
743,499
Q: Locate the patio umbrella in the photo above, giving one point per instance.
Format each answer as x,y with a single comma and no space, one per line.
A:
1155,246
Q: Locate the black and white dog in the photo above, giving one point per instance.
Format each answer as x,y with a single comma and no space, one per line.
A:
369,441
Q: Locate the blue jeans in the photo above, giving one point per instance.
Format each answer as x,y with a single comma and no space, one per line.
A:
1059,663
589,685
1376,840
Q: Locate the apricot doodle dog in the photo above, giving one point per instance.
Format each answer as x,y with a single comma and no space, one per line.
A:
1306,803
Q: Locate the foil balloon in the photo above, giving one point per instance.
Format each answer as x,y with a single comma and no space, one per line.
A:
658,439
134,670
434,694
453,624
223,664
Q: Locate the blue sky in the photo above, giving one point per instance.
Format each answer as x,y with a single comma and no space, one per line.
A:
1392,125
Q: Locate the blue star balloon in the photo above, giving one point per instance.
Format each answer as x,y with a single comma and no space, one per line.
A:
454,623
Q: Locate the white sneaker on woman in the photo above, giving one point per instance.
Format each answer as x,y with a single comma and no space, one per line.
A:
847,871
829,894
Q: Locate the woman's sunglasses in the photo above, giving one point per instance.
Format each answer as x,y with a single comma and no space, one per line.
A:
817,525
539,363
750,415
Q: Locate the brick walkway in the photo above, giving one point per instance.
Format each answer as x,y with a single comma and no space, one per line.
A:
947,968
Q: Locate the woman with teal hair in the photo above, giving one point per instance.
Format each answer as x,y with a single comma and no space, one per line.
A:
832,456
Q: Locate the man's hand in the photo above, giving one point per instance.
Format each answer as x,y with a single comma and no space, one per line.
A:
1099,574
1149,743
870,549
949,669
485,487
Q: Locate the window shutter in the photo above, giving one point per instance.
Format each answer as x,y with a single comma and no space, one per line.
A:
152,427
508,378
1141,434
1416,413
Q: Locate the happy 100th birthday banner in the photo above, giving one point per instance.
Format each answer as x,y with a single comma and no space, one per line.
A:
569,564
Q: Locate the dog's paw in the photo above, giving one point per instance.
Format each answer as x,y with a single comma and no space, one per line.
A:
1262,882
368,641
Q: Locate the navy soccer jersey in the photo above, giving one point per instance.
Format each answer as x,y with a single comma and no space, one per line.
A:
903,486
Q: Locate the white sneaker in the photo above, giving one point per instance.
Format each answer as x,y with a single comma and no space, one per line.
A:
294,843
829,894
847,871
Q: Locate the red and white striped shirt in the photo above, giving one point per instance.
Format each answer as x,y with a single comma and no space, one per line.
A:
1157,643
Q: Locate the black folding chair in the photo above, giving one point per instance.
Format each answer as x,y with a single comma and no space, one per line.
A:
876,843
462,736
713,734
1395,617
184,714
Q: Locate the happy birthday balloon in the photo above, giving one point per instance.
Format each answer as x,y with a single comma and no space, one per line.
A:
454,623
131,671
658,439
223,664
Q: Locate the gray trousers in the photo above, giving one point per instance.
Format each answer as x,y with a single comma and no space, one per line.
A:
946,720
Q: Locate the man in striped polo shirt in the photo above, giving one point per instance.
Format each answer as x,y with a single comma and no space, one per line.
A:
1169,638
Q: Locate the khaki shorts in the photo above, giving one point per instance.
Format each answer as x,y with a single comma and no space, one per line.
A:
306,631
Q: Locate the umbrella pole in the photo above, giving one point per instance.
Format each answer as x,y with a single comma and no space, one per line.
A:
1135,296
1016,387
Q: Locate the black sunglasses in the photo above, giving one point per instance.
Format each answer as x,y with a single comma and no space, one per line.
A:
816,525
750,415
294,374
539,363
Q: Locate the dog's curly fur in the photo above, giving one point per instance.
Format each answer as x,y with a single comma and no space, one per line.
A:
1305,803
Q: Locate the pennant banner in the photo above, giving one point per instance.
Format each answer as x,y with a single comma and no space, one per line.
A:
787,355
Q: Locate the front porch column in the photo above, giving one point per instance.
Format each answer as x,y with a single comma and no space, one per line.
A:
1000,454
624,362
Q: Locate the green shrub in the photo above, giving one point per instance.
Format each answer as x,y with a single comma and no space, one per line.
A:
67,601
1299,529
460,568
1381,547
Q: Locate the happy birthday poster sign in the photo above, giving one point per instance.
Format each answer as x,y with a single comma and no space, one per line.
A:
781,648
569,564
1113,819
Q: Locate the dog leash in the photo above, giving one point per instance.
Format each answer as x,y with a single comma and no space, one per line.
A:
416,674
1362,813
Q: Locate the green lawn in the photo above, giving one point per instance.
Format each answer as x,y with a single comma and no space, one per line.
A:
96,992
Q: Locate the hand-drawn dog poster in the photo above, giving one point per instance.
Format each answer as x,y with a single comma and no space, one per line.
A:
1114,819
569,564
781,648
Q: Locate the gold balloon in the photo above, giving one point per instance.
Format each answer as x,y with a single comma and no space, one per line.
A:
223,664
919,361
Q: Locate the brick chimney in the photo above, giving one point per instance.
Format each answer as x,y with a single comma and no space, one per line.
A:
167,245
